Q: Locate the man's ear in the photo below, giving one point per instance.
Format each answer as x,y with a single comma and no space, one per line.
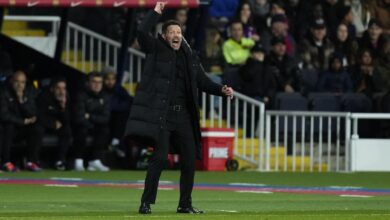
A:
163,36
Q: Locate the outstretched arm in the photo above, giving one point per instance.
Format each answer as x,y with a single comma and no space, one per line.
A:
144,35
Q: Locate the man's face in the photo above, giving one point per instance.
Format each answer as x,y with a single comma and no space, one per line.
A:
279,49
95,84
109,81
336,65
342,33
181,16
319,33
59,90
19,82
375,31
279,29
366,58
173,36
237,31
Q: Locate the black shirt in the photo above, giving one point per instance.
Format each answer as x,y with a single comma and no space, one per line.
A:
180,80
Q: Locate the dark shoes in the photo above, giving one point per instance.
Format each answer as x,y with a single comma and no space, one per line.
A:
189,210
145,209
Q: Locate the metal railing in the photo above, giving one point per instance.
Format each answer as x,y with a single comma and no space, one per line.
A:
90,51
243,114
315,138
355,117
54,20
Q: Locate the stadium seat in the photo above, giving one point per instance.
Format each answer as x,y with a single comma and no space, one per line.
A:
324,102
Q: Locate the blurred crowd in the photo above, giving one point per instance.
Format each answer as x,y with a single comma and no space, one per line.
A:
264,47
82,128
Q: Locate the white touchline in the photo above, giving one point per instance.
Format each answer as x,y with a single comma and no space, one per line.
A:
356,196
254,191
62,185
64,178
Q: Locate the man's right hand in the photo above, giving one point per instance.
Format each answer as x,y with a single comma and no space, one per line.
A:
160,7
58,125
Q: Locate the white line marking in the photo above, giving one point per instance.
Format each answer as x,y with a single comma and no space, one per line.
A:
356,196
64,178
230,211
345,187
247,184
253,191
61,185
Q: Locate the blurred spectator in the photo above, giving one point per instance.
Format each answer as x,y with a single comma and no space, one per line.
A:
256,80
278,7
244,14
345,45
331,13
361,15
383,65
212,56
345,16
261,10
317,48
335,79
236,49
362,73
373,38
380,9
54,117
120,104
92,115
282,67
279,29
18,115
297,14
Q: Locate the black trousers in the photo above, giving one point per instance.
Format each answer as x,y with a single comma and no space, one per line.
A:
30,133
64,135
179,132
100,136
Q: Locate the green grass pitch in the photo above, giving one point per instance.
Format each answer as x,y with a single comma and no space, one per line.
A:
24,201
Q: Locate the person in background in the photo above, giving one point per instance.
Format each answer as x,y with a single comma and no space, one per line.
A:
120,105
362,73
335,80
256,79
317,48
54,117
282,67
244,14
18,115
373,38
236,49
91,117
380,9
279,29
345,45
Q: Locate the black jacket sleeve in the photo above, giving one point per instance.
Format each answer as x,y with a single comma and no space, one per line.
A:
5,113
44,116
205,84
144,35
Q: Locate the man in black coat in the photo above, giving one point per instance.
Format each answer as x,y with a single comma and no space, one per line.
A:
54,117
165,108
19,117
91,117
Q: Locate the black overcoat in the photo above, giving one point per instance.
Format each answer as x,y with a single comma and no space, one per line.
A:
150,107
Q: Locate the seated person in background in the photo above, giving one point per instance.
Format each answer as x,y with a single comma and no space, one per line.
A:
373,38
362,73
120,104
335,79
19,117
279,28
256,80
244,14
92,116
317,48
54,117
236,49
282,67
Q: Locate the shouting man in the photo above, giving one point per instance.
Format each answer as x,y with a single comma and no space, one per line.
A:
165,108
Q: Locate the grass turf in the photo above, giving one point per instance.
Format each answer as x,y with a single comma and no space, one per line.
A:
92,202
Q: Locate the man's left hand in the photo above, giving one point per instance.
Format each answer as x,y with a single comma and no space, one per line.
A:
227,91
